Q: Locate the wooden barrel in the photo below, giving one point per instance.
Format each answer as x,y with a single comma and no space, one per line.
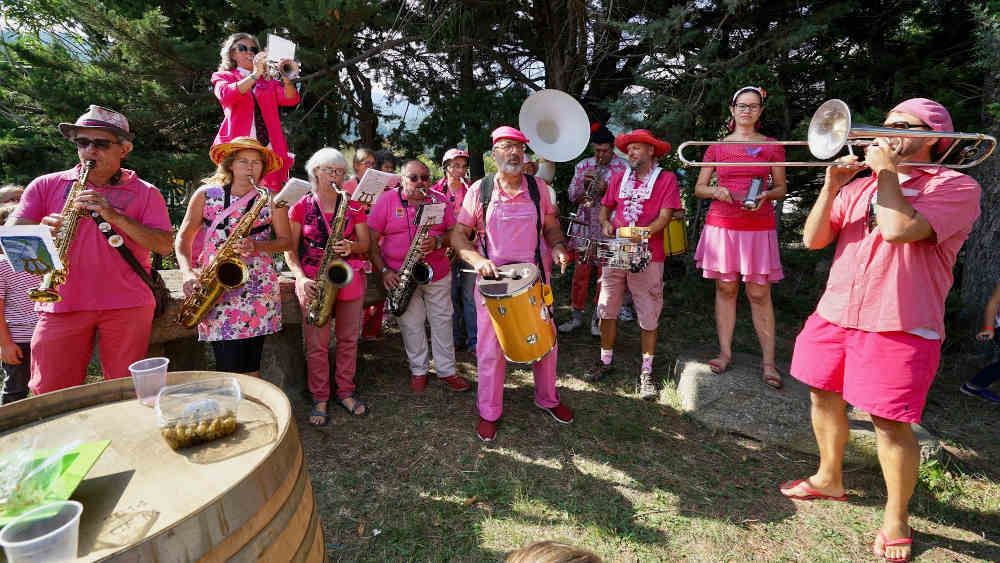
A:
246,497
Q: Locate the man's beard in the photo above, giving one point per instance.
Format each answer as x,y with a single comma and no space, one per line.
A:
506,167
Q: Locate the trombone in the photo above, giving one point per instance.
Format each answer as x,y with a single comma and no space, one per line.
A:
831,129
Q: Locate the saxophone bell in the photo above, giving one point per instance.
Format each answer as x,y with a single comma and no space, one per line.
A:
422,273
340,273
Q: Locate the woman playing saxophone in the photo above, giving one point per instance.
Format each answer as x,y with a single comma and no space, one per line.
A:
242,316
313,220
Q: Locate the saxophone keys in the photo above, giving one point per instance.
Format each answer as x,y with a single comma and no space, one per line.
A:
116,240
104,226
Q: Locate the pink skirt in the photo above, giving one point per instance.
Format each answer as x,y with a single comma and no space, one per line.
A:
731,255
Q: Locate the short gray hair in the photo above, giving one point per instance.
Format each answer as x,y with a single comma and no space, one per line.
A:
324,156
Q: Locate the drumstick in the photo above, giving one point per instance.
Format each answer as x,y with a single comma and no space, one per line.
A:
500,275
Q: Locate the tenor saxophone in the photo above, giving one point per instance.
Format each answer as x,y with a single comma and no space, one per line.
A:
333,273
414,271
226,271
46,292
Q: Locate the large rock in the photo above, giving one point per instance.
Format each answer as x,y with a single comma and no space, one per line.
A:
739,401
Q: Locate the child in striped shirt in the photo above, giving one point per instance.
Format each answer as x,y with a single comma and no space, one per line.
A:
17,322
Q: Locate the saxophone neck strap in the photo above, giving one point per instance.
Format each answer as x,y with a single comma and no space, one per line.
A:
233,207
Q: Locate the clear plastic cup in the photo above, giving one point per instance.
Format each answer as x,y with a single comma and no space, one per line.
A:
149,376
47,533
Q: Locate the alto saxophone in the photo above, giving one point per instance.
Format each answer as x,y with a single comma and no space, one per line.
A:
413,271
46,292
226,270
333,273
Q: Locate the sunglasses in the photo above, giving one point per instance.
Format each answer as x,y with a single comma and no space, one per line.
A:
99,144
243,48
414,177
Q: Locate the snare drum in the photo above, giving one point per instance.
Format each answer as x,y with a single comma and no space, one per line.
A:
675,241
519,309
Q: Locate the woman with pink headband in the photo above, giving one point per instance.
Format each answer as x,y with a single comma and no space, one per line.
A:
740,241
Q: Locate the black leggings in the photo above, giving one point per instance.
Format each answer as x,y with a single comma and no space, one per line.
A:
238,356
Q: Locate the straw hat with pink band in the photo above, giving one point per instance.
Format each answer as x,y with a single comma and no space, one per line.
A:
933,114
272,162
98,117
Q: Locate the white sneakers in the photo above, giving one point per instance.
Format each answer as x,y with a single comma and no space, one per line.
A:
572,324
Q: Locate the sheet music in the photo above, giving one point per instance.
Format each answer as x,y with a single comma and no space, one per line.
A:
30,248
431,214
279,48
372,184
294,190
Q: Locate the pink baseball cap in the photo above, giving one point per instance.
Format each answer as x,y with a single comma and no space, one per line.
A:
453,153
507,132
932,113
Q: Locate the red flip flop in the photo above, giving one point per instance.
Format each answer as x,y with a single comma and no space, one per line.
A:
892,543
811,494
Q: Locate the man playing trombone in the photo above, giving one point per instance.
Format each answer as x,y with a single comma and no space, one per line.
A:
875,338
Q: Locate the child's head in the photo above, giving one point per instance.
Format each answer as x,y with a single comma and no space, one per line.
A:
552,552
6,210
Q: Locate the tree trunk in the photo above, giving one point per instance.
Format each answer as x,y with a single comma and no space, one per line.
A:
477,168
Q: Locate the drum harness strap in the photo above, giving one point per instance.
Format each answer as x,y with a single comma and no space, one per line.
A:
486,194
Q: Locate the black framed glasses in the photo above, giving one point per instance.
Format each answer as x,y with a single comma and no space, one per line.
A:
99,144
423,177
905,125
243,48
748,107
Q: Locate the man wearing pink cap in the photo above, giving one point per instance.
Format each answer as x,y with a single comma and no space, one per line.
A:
512,230
875,339
103,295
642,196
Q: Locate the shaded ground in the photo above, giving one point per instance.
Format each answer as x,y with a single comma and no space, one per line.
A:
631,480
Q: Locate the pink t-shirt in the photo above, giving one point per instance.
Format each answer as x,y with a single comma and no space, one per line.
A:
878,286
393,218
737,180
313,240
456,197
99,278
513,235
664,195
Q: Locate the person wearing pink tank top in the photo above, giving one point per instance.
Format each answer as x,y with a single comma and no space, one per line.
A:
739,241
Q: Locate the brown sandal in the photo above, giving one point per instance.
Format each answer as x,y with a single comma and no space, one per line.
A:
772,377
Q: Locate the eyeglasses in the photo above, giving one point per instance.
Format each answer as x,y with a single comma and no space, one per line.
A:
332,171
99,144
510,147
247,162
748,107
243,48
905,125
422,177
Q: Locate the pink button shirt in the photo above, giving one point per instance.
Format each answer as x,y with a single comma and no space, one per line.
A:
393,218
876,286
665,195
313,241
99,278
510,222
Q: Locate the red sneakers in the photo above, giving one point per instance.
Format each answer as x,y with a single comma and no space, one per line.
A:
456,383
486,430
418,382
560,412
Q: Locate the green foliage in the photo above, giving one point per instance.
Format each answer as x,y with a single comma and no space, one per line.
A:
936,478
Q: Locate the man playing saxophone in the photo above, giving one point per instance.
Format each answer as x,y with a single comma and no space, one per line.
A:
313,222
238,320
393,222
102,294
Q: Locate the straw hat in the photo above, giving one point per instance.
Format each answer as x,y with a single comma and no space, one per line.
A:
272,162
98,117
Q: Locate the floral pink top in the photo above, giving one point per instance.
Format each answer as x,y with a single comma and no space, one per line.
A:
253,309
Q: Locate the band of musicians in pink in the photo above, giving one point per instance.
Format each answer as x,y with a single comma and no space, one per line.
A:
874,341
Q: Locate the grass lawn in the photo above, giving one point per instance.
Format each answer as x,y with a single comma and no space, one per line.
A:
629,479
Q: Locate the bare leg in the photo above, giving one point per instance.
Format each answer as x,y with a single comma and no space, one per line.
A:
647,341
829,420
725,318
609,330
899,456
762,311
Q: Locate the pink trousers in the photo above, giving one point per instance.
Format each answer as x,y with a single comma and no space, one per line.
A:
581,285
62,344
492,367
317,340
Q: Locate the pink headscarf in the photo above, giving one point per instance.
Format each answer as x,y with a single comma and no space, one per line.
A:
931,113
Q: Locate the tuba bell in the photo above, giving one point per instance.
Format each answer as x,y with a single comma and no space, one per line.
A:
555,124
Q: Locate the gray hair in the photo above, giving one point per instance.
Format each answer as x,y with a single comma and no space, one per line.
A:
226,61
324,156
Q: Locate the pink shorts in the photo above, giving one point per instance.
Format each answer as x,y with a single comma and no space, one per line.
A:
647,293
886,374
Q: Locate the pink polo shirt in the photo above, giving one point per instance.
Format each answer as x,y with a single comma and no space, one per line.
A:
99,278
513,235
877,286
456,197
393,218
665,195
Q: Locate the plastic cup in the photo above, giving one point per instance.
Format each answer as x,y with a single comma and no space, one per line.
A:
47,533
149,376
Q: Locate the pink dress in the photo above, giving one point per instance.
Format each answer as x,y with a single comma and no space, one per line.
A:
737,243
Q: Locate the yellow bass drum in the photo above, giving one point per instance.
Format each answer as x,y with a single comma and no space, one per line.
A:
519,309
